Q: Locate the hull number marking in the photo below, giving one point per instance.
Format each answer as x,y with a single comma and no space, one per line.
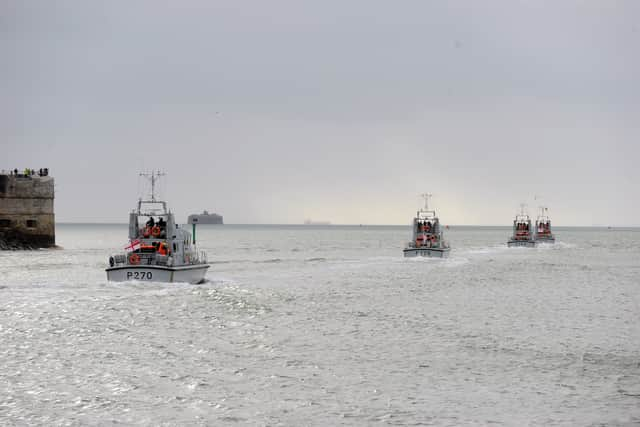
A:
139,275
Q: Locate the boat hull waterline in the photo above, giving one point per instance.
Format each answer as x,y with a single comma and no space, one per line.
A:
426,252
545,239
522,243
193,274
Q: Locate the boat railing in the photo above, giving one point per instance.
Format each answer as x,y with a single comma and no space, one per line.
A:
142,257
199,257
119,259
522,237
195,257
147,258
155,258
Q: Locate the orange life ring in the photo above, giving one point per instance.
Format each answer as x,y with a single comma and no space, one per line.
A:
433,238
155,231
134,259
147,231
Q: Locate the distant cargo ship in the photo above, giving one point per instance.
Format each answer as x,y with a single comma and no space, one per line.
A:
311,222
205,218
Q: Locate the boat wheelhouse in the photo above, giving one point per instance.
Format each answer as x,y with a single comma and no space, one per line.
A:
158,250
522,234
543,232
428,239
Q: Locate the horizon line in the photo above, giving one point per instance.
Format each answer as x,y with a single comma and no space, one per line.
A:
349,225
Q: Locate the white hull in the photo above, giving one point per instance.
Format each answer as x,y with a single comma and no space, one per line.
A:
426,252
158,273
545,239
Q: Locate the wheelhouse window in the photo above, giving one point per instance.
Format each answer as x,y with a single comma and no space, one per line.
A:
31,223
4,223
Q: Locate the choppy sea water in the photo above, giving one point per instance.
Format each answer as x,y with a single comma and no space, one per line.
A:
326,326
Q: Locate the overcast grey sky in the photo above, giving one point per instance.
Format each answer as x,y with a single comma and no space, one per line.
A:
277,111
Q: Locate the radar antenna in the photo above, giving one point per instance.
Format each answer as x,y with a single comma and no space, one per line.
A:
153,177
426,197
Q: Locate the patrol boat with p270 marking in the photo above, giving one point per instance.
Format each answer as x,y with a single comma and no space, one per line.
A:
428,240
158,249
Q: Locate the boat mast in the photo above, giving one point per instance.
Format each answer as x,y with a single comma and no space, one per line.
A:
522,207
153,177
543,213
541,207
426,197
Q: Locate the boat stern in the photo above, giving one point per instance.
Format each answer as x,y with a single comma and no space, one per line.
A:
193,274
426,252
522,243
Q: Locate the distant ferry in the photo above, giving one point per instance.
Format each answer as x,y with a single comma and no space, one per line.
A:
311,222
205,218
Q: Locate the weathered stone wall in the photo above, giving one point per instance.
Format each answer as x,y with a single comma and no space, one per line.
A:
27,219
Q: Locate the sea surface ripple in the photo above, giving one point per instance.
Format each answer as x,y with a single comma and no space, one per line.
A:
326,326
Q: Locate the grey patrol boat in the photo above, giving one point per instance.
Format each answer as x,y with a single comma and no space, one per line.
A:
543,232
158,249
428,240
522,234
